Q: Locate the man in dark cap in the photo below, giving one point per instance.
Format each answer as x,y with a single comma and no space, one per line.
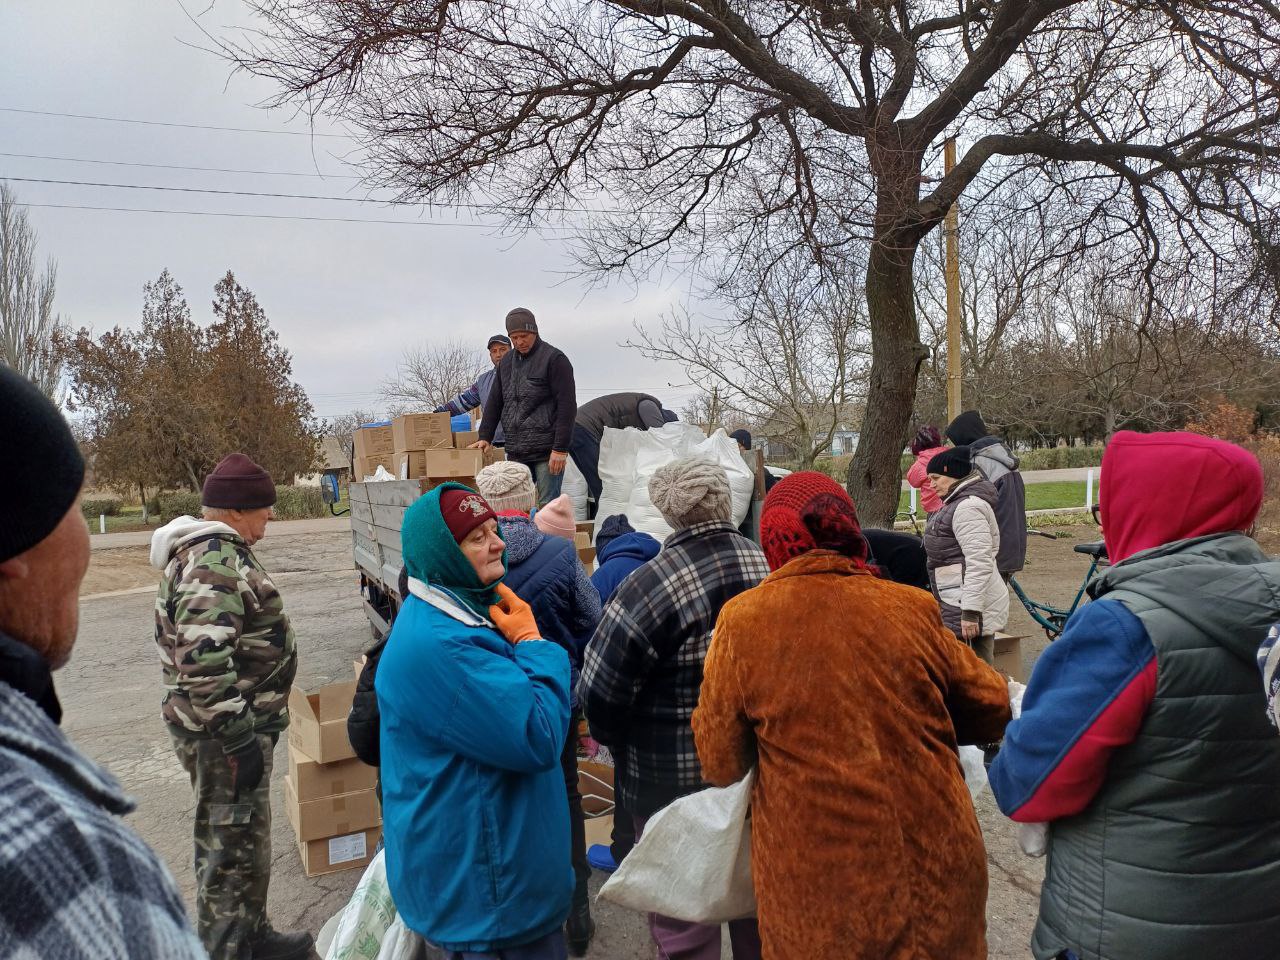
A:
75,882
994,461
477,395
618,410
228,656
535,402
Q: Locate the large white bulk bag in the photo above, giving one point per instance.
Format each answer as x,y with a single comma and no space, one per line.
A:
629,457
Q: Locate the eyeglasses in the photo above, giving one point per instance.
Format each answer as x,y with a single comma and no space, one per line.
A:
1096,510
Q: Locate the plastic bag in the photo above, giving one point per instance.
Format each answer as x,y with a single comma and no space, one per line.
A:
368,927
975,770
628,458
693,861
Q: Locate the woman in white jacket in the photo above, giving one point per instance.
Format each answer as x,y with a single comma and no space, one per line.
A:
962,540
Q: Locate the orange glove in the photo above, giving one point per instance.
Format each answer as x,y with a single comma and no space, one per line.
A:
513,616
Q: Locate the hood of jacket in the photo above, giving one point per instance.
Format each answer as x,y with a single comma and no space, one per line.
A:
1223,584
634,546
521,537
966,429
1159,488
166,540
992,449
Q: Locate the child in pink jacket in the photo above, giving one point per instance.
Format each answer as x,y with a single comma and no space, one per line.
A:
926,445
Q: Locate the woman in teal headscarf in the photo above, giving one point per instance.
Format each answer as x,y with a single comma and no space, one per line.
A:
475,710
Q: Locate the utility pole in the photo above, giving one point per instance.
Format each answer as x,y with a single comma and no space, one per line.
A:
950,229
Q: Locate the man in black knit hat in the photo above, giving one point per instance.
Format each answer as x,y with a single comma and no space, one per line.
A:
75,882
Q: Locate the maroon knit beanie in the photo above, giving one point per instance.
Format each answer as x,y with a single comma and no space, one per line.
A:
810,511
463,510
237,483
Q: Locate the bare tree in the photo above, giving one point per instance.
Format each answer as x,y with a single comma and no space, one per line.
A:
433,374
28,326
702,128
345,426
789,360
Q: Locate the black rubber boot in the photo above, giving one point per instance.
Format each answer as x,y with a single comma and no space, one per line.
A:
580,928
278,945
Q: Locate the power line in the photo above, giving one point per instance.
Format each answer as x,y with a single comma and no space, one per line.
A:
263,216
183,126
492,207
175,166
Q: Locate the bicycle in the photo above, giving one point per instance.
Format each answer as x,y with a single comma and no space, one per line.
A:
1053,619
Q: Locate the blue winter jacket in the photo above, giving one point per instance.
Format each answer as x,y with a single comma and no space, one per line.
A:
545,572
473,798
618,558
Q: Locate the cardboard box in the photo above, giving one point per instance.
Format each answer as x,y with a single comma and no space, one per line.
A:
599,830
311,780
338,853
588,527
587,556
318,722
421,431
434,482
368,466
453,463
494,455
462,440
1008,657
333,816
374,441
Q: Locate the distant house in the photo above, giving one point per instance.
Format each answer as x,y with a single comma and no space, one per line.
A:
332,459
778,445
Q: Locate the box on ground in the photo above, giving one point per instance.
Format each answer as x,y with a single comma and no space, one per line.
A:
318,722
331,816
338,853
465,438
599,830
368,466
421,431
585,526
311,780
373,441
1008,657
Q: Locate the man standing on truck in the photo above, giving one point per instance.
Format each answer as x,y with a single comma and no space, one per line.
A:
229,658
534,401
477,395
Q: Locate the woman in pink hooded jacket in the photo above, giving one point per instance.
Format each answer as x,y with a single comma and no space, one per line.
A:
926,445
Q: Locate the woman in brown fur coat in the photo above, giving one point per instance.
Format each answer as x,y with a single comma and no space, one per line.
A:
849,695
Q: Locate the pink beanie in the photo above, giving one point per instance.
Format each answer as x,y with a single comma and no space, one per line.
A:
556,518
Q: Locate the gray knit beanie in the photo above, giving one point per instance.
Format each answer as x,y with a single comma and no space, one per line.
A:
507,485
691,491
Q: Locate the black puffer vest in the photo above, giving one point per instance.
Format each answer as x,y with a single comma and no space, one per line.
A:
528,405
944,552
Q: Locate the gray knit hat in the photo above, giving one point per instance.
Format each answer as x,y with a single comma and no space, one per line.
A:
691,491
507,485
521,318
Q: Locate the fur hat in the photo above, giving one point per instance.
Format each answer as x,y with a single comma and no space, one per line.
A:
556,518
507,485
691,491
237,483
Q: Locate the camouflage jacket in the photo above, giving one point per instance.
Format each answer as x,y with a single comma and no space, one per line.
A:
226,646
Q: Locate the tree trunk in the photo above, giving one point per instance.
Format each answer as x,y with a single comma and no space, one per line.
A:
875,474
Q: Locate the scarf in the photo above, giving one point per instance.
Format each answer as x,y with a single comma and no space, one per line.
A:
433,556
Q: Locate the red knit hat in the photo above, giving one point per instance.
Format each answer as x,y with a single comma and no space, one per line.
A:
463,510
809,511
237,483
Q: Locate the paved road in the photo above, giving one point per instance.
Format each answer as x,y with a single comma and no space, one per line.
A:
111,693
277,530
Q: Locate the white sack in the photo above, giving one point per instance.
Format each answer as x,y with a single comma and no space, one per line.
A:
628,458
574,486
693,861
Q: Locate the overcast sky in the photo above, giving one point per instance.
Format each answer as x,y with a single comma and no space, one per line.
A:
345,297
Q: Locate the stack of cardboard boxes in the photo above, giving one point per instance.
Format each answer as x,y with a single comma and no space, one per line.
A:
374,448
329,794
426,448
